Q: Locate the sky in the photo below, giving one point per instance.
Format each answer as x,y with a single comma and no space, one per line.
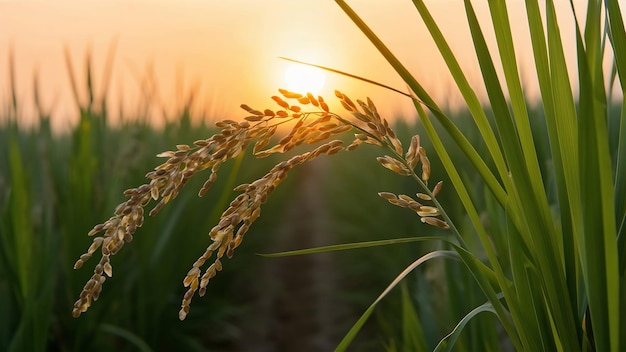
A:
228,52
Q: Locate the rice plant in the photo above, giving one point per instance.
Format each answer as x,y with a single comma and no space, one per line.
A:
311,127
540,248
553,273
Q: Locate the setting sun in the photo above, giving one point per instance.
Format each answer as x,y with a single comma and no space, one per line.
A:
302,79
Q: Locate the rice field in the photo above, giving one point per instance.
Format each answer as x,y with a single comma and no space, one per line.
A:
495,228
55,187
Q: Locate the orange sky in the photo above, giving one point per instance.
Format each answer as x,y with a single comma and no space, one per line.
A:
230,48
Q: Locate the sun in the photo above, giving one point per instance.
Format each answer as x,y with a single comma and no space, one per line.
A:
304,79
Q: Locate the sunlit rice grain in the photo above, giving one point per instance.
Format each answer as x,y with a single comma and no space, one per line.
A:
423,196
289,94
387,195
406,198
436,222
428,211
425,164
393,165
399,202
254,118
312,99
416,206
352,146
437,188
280,102
108,269
323,105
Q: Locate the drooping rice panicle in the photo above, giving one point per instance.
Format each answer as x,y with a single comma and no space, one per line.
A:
311,127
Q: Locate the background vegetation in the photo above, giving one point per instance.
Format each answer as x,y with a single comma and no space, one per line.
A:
55,186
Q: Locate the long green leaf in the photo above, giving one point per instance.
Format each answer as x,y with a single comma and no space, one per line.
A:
564,120
502,30
600,261
618,41
530,200
412,333
540,53
618,38
481,274
345,343
488,273
357,245
504,122
343,73
620,190
447,343
127,335
566,123
528,306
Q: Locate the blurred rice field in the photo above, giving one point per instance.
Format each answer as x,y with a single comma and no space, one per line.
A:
54,187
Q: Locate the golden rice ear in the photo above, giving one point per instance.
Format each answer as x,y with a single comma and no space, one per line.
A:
166,180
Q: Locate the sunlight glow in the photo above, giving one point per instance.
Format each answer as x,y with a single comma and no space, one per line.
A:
302,79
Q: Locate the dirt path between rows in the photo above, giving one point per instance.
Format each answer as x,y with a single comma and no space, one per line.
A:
299,305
